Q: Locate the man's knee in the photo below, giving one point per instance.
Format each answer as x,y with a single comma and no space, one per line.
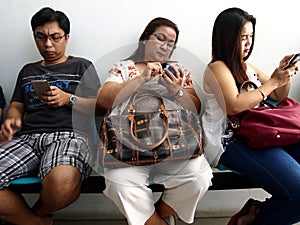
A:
63,181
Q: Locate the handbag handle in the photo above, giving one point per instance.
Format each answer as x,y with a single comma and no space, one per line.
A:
132,103
234,123
264,101
164,115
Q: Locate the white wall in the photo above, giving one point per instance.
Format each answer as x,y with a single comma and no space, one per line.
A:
99,27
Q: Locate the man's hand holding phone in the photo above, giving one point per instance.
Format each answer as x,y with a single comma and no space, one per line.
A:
55,96
40,87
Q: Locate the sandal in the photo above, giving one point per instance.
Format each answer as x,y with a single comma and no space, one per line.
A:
171,220
246,212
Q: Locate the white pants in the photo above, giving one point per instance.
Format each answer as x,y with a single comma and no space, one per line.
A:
185,184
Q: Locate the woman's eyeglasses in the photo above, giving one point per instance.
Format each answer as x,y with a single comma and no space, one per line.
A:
161,38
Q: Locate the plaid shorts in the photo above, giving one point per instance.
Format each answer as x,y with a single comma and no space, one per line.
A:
39,153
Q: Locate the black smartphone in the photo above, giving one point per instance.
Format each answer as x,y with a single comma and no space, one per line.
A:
295,58
40,87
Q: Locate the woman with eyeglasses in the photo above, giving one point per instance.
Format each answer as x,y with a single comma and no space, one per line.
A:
185,181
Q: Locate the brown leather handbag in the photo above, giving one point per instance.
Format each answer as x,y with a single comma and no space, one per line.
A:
145,138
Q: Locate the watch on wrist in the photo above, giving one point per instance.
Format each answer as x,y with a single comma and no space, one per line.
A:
72,100
180,93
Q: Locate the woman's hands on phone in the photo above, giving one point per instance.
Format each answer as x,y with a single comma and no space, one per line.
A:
172,79
290,61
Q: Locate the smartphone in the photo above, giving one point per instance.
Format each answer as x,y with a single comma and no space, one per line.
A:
171,70
295,58
40,87
165,65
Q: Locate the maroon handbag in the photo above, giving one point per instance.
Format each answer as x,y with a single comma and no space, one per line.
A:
268,125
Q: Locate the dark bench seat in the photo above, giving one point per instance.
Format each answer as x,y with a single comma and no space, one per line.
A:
222,180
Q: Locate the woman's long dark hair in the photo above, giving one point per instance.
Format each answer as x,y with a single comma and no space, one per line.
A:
226,41
139,53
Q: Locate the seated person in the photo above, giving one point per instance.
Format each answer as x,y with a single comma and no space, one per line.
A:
275,169
185,181
42,135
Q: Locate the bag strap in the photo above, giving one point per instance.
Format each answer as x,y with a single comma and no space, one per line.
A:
133,100
252,84
164,116
234,121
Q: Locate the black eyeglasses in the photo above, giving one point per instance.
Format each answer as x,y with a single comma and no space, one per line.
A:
161,38
53,37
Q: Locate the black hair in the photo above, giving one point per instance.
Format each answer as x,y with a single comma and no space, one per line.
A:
46,15
139,53
226,41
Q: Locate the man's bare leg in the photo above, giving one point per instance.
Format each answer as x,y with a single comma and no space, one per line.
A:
61,187
14,209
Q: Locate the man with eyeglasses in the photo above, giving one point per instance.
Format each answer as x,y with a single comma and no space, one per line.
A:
48,135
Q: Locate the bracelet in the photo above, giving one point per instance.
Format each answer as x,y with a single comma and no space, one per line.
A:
262,94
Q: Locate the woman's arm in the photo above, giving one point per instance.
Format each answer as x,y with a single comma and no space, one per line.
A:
219,80
188,99
113,93
280,78
179,85
277,86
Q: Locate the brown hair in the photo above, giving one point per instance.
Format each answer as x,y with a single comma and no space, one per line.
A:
138,54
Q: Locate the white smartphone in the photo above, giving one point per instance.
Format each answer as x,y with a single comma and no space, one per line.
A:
40,87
